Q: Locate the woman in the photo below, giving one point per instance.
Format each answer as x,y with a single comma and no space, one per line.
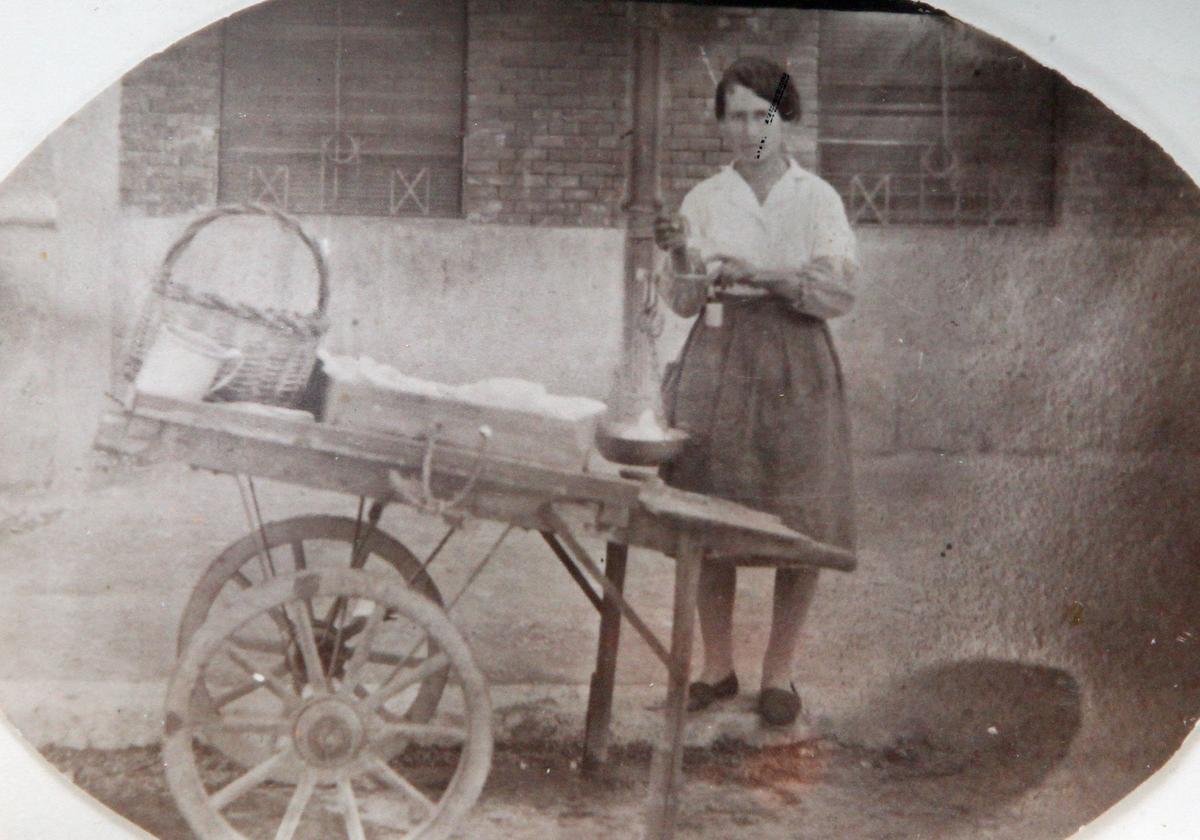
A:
768,245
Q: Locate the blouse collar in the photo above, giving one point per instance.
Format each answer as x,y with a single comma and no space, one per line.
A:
735,183
794,170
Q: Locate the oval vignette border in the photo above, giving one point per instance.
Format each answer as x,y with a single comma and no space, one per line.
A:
58,55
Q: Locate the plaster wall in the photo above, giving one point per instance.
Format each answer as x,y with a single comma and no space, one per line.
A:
56,223
1023,402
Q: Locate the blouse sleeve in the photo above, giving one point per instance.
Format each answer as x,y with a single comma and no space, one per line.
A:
827,290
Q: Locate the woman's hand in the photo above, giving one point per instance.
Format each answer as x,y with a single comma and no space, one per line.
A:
670,232
785,284
734,270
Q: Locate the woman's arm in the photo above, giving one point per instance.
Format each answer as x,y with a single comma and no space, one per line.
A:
824,286
821,288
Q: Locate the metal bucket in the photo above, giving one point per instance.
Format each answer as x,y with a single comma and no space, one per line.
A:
183,364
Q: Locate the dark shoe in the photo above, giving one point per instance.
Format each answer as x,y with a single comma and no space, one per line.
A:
701,695
778,707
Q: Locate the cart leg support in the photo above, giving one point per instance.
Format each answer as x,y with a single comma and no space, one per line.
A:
667,765
600,695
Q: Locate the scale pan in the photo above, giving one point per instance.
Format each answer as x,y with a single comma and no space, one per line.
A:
640,452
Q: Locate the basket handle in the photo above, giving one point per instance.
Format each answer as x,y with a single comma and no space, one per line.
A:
287,222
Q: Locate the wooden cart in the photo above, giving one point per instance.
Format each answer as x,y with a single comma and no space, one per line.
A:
314,677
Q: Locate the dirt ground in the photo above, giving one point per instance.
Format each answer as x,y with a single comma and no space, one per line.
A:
814,790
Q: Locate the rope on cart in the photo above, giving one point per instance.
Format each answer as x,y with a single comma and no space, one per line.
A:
420,494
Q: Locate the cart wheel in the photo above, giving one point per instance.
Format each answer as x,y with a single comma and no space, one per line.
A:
308,543
325,730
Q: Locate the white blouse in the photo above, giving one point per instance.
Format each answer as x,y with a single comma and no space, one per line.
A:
800,227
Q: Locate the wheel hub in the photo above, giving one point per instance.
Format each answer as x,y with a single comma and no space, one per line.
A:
328,733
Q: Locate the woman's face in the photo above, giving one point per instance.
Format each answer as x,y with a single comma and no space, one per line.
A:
753,129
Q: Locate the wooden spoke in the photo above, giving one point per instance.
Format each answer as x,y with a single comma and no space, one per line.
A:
362,653
425,731
334,616
246,723
266,679
400,680
311,611
296,806
379,657
354,826
247,781
381,771
249,687
259,645
244,582
298,556
243,690
308,648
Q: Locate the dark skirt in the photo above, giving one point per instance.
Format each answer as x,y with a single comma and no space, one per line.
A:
762,397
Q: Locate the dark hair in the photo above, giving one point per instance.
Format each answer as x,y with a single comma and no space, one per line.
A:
762,76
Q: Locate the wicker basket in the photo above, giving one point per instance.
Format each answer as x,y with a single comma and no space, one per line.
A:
279,349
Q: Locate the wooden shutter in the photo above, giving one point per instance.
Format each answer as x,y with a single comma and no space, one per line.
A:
923,120
345,106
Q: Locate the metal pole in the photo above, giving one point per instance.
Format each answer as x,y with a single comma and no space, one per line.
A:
636,384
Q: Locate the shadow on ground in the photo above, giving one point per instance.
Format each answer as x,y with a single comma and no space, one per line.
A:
997,727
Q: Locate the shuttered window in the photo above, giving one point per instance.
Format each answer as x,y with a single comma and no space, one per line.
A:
923,120
345,106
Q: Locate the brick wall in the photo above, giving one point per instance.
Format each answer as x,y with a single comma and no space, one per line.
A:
170,118
547,103
548,106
